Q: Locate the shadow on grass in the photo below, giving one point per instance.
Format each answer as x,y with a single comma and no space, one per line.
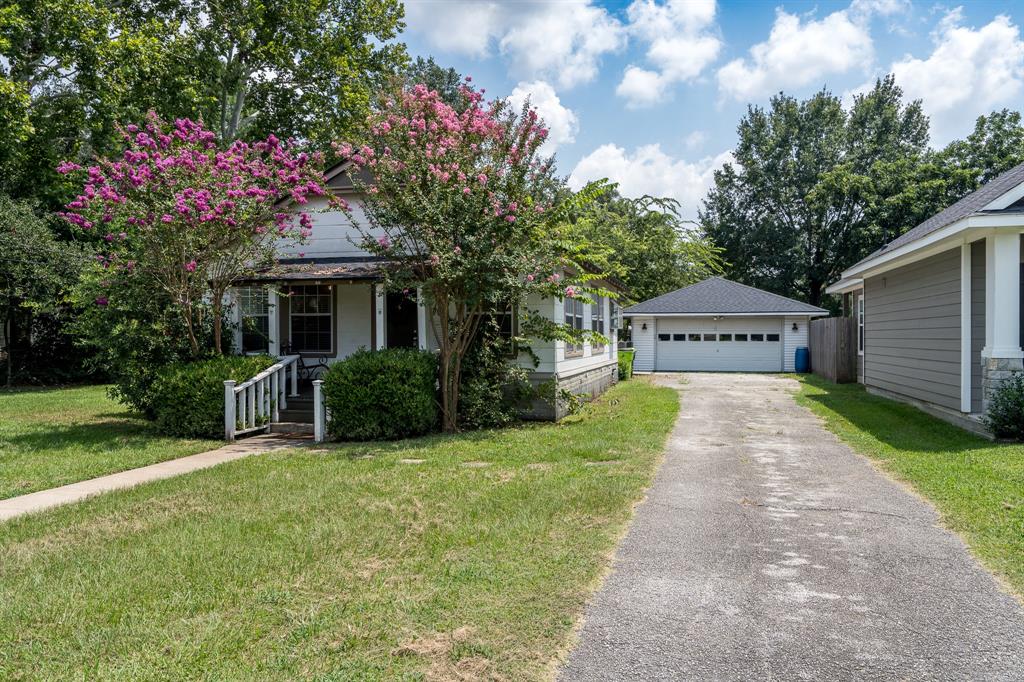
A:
125,433
891,422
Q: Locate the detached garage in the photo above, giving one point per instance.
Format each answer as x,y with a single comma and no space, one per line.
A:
719,326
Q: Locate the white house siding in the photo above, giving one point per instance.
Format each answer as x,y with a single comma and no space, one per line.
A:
791,340
551,354
333,236
643,344
912,330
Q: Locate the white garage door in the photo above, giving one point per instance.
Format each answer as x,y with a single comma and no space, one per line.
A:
732,344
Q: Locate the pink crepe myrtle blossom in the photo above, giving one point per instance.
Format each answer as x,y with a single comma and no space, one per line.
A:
570,291
102,301
173,190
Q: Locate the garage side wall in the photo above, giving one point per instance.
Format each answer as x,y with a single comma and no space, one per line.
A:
912,330
793,340
643,342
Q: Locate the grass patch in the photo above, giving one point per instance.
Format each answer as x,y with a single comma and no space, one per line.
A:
977,485
51,437
446,557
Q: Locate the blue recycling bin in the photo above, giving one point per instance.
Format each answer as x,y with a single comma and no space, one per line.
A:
803,359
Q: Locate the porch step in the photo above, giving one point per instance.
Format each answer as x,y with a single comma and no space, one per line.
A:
297,415
296,428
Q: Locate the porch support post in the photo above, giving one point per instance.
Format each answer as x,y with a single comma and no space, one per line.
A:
273,322
379,300
1002,353
421,319
965,327
1002,296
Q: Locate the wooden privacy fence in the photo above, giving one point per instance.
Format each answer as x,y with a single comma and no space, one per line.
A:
833,344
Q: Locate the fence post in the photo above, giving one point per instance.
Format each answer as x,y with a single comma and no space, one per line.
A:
229,410
318,411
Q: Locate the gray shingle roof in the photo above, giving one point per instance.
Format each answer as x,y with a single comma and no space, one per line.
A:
718,296
969,205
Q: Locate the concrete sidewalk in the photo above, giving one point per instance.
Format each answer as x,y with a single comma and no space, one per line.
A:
768,549
73,492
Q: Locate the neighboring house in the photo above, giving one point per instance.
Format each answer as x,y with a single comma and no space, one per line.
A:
323,300
939,308
718,325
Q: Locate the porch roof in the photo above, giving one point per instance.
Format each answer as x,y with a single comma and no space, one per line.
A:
321,268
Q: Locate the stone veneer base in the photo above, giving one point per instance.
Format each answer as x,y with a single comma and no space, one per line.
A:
994,371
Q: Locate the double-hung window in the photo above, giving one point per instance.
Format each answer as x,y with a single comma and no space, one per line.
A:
597,323
574,320
860,324
311,315
255,318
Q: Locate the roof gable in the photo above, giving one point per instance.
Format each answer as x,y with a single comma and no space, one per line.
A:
719,296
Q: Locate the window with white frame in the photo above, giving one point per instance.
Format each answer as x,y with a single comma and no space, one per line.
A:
254,314
574,320
311,317
860,324
597,322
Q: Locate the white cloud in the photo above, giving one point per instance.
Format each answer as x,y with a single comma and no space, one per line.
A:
561,121
681,44
695,140
649,170
560,42
801,51
969,72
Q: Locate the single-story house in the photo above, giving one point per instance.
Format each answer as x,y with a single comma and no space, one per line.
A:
719,325
323,300
938,309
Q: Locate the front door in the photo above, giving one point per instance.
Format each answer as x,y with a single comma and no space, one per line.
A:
401,320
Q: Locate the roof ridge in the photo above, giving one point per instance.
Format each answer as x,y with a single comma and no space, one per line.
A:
765,291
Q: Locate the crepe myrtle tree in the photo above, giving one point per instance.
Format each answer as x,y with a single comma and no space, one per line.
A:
461,206
190,218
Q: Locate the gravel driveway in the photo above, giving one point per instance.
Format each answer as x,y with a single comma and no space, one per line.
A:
767,549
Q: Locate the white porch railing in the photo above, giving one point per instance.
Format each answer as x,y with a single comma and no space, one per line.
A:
256,403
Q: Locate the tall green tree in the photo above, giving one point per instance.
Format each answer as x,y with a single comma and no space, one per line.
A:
648,245
72,69
810,185
995,146
36,273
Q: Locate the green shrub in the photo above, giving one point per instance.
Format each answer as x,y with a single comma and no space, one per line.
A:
494,390
625,364
382,395
188,398
1006,411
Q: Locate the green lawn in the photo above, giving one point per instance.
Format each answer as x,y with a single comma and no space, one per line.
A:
51,437
977,485
463,557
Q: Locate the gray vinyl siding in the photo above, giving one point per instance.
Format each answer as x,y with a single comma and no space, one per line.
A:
912,330
977,320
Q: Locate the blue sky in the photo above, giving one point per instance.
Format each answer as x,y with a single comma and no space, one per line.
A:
649,92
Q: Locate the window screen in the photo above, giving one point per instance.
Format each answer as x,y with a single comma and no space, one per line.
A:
574,320
311,315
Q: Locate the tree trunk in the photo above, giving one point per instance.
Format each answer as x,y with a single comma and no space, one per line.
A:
193,342
814,294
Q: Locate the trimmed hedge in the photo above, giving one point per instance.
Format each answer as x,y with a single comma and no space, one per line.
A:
626,364
1006,411
382,395
188,398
